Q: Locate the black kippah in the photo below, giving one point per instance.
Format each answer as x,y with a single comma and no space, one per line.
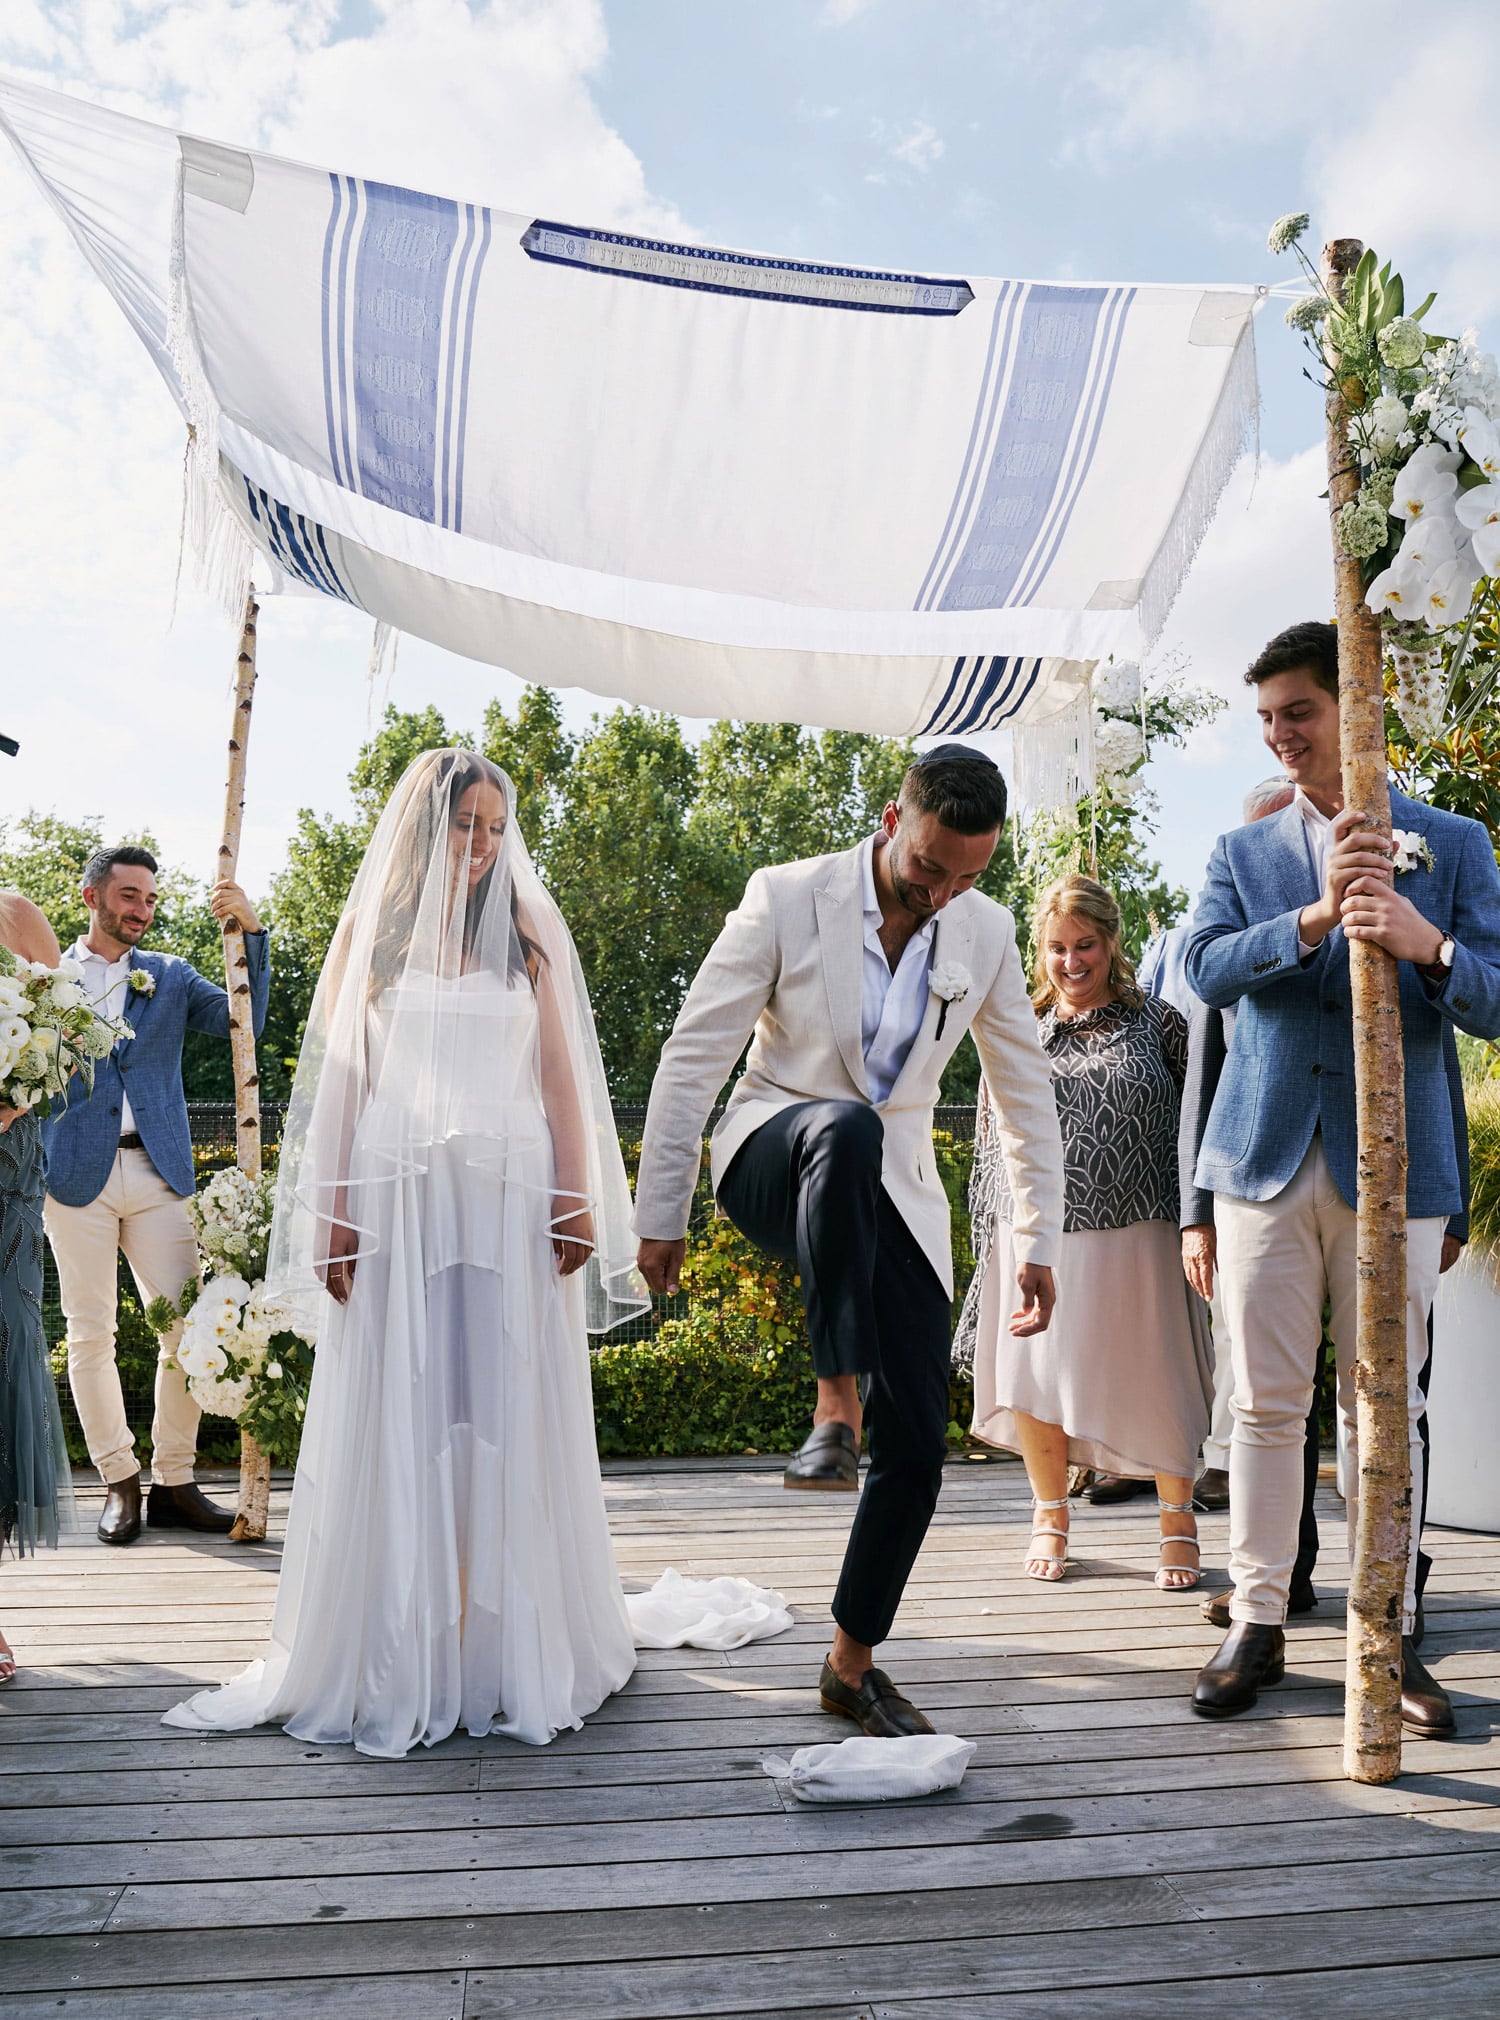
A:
944,753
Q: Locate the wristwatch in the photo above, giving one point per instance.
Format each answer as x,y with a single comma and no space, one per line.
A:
1442,966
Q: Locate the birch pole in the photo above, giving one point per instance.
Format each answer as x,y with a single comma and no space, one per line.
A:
1372,1703
255,1467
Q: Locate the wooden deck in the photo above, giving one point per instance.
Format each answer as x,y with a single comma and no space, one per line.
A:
1109,1854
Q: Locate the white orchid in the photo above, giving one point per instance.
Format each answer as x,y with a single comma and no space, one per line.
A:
228,1289
1449,593
1399,591
1423,487
1479,438
1430,541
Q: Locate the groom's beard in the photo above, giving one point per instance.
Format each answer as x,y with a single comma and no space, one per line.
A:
913,899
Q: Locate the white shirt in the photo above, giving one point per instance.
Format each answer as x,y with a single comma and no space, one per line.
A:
892,1006
108,986
1318,829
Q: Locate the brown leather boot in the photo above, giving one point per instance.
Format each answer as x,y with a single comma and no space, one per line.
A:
1251,1656
121,1520
187,1507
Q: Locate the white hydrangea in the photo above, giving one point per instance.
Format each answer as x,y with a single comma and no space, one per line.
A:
1118,747
1388,420
1117,687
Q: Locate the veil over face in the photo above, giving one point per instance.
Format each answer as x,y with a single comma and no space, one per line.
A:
451,1011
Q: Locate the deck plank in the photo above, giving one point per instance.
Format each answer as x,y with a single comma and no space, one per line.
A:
1108,1851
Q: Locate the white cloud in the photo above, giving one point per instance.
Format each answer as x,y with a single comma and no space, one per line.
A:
918,147
118,715
1404,153
839,13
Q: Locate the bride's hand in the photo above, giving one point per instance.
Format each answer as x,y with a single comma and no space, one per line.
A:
572,1237
337,1274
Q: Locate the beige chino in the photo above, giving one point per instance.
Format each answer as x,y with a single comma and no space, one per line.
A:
137,1212
1278,1260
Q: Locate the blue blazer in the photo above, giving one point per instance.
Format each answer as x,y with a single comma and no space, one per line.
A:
1290,1070
82,1133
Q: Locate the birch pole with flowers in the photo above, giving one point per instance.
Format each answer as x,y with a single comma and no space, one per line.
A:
1372,1699
1414,495
255,1466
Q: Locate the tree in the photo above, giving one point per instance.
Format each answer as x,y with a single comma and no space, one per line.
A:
537,753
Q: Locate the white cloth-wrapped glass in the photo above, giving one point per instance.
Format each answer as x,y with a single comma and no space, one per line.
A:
447,1561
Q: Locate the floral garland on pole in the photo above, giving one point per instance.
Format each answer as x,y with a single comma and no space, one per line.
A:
1424,426
236,1351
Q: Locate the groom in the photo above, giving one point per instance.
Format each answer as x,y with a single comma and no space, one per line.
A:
859,974
1271,935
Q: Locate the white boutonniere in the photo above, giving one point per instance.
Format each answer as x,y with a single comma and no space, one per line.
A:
1412,851
142,982
950,984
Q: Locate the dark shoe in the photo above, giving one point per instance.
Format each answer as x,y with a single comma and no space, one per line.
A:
121,1520
1251,1656
1418,1628
1110,1487
877,1707
1215,1609
1211,1489
828,1460
1426,1708
186,1507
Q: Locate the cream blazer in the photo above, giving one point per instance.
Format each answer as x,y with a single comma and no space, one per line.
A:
788,968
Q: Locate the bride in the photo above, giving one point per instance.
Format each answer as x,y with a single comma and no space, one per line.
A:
451,1195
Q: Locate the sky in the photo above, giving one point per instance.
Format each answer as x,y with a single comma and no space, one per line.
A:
1141,140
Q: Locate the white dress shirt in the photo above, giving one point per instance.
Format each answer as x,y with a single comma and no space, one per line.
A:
108,986
892,1005
1318,829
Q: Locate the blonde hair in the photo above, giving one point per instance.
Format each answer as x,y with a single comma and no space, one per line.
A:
1079,897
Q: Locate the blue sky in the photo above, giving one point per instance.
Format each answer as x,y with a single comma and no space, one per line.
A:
1084,139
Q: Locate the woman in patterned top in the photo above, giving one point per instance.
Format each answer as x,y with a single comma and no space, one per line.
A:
1122,1380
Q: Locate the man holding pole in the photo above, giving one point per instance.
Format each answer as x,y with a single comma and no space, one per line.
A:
119,1169
1283,899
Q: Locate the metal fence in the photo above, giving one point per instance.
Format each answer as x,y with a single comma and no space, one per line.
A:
213,1131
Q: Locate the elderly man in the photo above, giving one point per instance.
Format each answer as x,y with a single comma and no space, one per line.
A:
119,1173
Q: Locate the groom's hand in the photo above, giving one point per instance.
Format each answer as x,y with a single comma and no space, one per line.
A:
660,1263
1039,1295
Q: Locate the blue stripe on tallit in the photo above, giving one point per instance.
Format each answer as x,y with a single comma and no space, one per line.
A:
1082,459
299,546
1050,381
406,242
329,239
464,368
992,692
1005,302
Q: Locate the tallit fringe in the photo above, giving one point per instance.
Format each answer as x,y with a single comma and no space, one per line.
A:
1052,763
1234,428
223,557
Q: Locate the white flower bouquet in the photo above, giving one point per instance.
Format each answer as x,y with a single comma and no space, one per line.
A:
49,1030
240,1357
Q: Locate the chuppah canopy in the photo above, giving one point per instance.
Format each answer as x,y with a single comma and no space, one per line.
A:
711,482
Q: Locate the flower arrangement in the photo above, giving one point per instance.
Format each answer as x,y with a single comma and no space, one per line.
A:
1424,425
49,1030
240,1358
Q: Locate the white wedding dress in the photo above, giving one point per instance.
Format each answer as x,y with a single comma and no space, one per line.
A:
448,1562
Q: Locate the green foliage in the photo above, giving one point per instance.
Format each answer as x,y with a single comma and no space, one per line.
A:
275,1412
43,857
1484,1167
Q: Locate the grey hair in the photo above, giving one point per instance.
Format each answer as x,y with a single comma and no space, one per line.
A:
1269,797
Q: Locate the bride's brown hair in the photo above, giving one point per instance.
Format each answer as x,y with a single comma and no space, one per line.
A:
1078,897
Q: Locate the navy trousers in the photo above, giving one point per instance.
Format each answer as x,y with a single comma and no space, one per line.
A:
806,1188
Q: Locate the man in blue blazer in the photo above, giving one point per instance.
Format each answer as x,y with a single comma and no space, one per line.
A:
1271,935
119,1173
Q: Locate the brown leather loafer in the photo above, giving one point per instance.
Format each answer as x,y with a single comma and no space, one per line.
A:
828,1461
121,1520
877,1707
1426,1708
1211,1489
1111,1487
186,1507
1251,1656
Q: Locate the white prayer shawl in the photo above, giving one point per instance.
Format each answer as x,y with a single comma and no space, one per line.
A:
709,482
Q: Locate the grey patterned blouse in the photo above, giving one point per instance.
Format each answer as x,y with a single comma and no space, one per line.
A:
1117,1073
